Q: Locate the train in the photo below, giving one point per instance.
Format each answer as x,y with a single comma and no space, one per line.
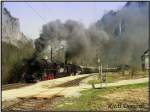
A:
34,70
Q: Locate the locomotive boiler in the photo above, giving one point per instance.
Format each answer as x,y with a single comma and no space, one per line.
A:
35,69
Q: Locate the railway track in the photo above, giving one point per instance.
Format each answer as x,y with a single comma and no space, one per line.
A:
19,85
14,86
44,104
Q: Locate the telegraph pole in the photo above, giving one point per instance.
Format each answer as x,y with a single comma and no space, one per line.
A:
100,68
51,54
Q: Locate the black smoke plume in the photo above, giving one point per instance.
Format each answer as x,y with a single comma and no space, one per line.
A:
118,38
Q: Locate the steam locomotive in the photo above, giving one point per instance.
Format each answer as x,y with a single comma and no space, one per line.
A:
35,69
41,69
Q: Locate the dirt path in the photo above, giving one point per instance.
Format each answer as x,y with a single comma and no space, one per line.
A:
46,92
124,82
38,88
45,88
75,91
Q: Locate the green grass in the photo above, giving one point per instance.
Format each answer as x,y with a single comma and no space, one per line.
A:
92,99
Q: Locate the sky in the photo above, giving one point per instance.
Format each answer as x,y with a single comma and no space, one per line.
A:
32,15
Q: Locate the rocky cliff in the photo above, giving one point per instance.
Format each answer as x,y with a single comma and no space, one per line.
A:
15,47
132,17
129,29
11,29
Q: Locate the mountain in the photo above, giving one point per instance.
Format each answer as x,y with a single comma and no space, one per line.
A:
129,29
129,18
15,47
11,29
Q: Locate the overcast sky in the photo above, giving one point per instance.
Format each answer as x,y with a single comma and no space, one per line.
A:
33,15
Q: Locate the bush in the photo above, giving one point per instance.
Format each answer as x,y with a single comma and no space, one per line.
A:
11,60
